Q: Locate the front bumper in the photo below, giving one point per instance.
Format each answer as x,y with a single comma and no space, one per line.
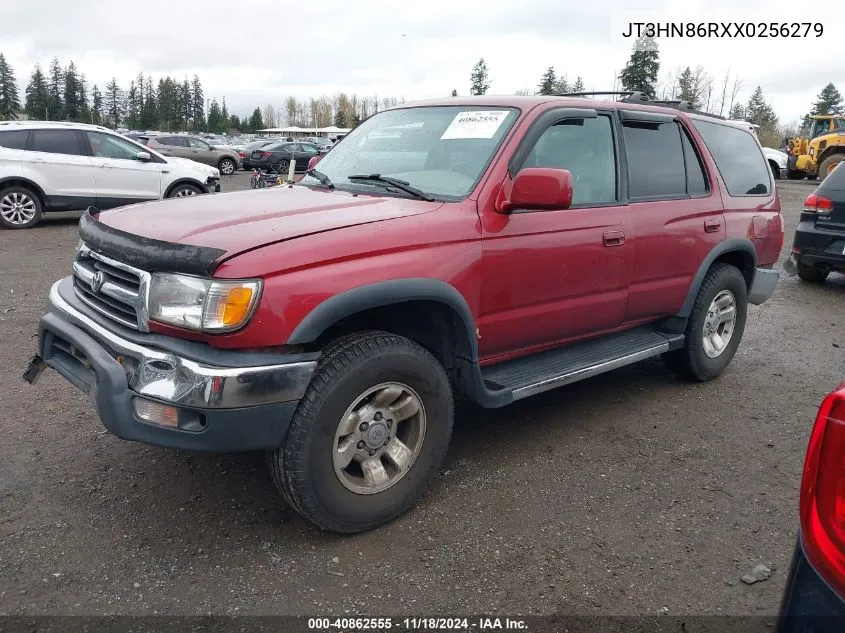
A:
229,405
212,185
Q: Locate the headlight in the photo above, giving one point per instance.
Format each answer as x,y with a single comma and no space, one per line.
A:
198,303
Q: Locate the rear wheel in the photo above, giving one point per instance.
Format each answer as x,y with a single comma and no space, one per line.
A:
368,436
715,326
284,165
20,208
227,166
813,274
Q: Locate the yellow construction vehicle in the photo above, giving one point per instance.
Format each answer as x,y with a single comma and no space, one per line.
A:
821,151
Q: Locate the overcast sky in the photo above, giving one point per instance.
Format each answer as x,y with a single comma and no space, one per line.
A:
255,53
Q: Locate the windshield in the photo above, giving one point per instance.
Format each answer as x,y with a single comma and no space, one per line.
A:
442,151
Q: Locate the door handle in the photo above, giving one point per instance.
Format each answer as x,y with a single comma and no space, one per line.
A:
712,226
614,238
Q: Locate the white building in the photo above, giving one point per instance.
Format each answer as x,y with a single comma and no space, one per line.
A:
296,132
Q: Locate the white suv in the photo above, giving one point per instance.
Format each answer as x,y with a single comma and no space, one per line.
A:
57,166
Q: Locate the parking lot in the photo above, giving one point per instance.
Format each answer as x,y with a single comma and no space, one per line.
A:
630,493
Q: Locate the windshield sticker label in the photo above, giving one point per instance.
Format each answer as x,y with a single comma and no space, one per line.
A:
475,124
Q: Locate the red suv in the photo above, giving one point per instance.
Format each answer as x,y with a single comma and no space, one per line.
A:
488,247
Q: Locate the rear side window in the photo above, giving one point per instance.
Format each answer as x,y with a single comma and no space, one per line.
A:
173,141
14,139
655,160
738,158
57,142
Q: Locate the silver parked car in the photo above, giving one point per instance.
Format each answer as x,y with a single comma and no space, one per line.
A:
226,159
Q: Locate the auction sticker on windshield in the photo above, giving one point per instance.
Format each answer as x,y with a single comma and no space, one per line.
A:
475,124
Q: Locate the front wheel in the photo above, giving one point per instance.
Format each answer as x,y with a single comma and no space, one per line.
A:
182,191
715,326
368,436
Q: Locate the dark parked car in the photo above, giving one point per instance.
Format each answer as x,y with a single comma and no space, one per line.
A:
246,150
819,244
814,599
278,156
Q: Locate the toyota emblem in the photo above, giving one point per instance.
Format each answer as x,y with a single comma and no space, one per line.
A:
97,281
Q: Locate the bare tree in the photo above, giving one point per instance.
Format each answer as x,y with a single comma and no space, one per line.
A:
291,109
737,85
268,115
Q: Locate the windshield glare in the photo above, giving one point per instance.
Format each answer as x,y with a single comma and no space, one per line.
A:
442,150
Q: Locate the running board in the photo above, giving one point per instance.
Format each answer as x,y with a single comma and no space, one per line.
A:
547,370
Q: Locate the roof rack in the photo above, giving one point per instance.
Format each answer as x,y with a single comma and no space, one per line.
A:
639,97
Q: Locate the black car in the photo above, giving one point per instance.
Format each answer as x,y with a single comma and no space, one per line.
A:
814,599
245,151
279,156
819,245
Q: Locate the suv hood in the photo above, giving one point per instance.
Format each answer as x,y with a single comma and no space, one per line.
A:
241,221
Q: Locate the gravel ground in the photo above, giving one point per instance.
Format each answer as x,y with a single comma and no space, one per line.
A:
631,493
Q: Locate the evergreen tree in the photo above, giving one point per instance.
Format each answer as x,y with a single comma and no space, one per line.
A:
114,103
133,111
685,90
548,84
198,104
578,86
479,78
10,101
829,101
759,112
340,118
235,123
55,86
148,115
85,113
71,109
256,122
640,73
561,86
37,95
224,119
454,92
186,103
214,116
737,112
97,105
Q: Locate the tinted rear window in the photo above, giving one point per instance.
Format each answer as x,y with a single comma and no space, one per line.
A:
57,142
655,160
738,158
14,139
835,180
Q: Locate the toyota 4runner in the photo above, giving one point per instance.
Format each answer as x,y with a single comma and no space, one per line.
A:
488,248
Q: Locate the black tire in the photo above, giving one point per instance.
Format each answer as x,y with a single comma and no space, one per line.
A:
184,190
227,166
691,361
794,174
829,163
813,274
303,468
19,218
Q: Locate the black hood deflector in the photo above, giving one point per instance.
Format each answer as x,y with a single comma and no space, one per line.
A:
144,252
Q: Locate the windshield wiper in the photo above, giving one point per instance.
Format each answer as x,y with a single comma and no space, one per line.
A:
324,180
403,185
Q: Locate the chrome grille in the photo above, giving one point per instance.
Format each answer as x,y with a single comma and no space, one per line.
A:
112,288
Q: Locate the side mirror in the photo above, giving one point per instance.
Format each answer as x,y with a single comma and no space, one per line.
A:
313,162
538,188
144,157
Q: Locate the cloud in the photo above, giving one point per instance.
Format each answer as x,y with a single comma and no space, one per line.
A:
257,55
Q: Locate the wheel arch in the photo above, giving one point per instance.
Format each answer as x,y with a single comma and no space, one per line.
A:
830,151
428,311
18,181
183,181
738,252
